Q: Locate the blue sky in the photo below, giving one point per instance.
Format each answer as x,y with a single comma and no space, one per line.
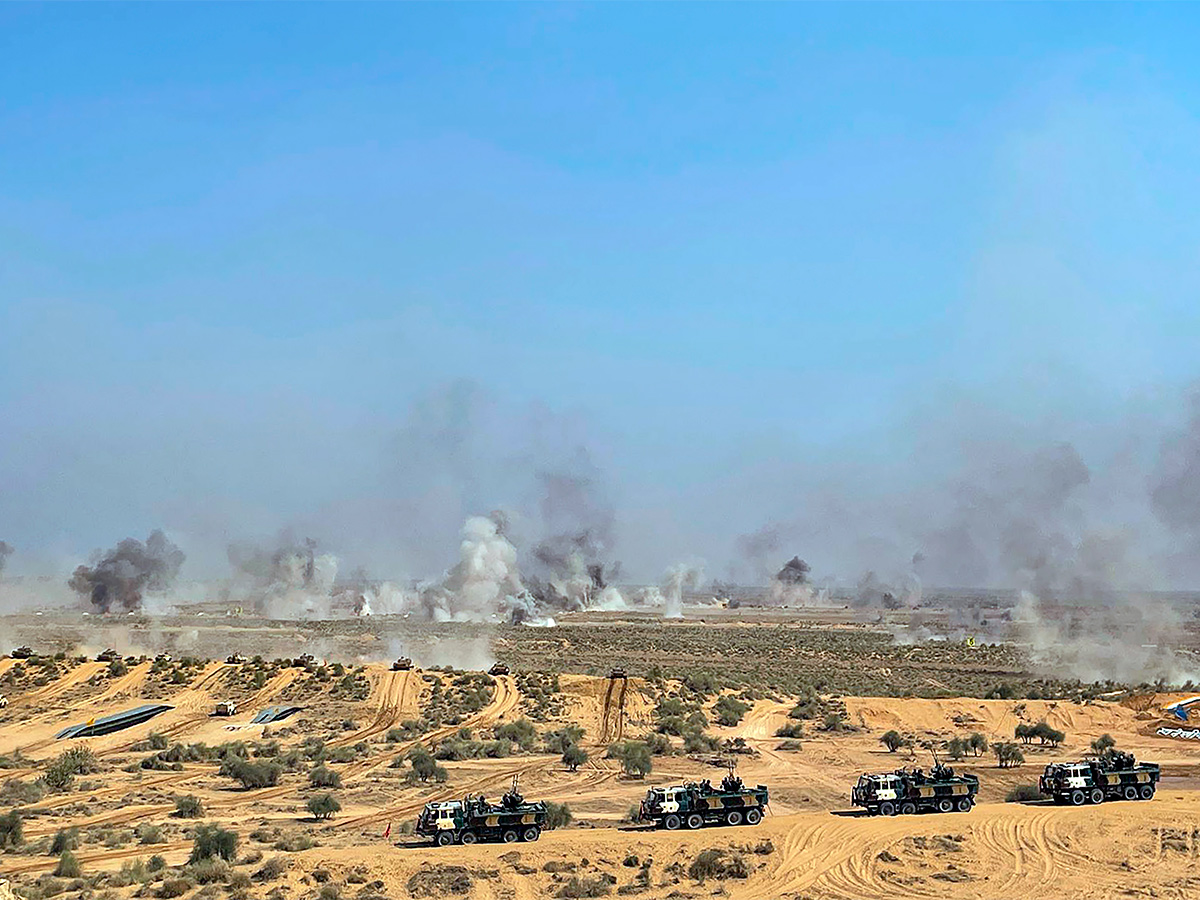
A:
742,253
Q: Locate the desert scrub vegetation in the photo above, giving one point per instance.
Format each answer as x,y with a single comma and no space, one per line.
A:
323,806
60,774
211,841
1042,732
12,831
541,696
634,757
858,661
718,864
189,807
1008,755
353,686
729,710
457,696
423,766
1023,793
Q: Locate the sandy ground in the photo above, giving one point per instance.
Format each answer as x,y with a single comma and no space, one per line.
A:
810,845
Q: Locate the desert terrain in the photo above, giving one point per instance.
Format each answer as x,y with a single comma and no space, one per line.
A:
805,699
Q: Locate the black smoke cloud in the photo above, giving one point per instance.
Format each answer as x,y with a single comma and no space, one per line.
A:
126,573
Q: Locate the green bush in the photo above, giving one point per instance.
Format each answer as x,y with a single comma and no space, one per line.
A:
68,866
323,777
521,732
209,871
730,710
574,757
977,743
323,806
893,740
149,834
634,757
213,841
189,807
790,730
1008,755
1023,793
956,748
12,832
64,839
558,815
251,775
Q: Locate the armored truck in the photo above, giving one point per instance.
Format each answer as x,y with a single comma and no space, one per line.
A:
474,819
909,791
697,803
498,669
1113,776
403,664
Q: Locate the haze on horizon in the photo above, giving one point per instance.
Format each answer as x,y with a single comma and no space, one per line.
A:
903,289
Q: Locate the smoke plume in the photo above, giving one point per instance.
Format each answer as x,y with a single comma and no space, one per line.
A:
6,551
289,580
121,578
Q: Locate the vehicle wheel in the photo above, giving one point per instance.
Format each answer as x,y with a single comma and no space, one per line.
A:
695,820
733,817
469,837
945,805
1130,792
1097,795
444,839
1146,791
672,822
963,805
753,817
532,833
887,808
908,808
1077,798
510,836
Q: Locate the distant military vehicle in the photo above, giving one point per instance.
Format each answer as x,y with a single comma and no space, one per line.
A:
226,708
1111,776
403,664
163,658
697,803
22,653
3,702
235,659
498,669
108,655
617,673
909,791
304,660
474,819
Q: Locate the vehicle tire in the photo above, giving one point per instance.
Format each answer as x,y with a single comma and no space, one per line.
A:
908,808
753,817
469,837
444,838
1096,796
1077,798
510,836
672,822
1130,792
945,805
695,820
887,808
963,805
1146,791
733,817
532,833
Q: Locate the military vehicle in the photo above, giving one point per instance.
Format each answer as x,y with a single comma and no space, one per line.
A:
235,659
3,701
474,819
617,673
403,664
108,655
1111,776
697,803
163,658
22,653
498,669
226,708
909,791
